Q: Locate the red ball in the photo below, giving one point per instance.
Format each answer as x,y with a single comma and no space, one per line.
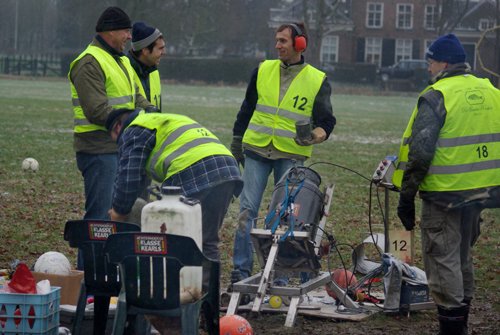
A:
234,325
343,278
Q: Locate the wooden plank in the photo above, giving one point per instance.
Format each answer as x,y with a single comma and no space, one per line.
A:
318,304
292,312
233,303
264,280
323,312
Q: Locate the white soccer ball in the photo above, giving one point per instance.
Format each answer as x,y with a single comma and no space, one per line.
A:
30,164
53,262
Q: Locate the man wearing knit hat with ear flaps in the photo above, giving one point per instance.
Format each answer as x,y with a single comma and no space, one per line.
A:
450,155
148,46
101,80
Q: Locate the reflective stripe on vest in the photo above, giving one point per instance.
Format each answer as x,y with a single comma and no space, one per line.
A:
180,142
154,88
119,88
466,157
274,120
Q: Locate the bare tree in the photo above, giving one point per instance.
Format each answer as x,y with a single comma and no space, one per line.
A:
451,12
315,24
319,16
27,26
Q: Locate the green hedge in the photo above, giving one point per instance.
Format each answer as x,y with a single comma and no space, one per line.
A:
354,73
209,70
237,70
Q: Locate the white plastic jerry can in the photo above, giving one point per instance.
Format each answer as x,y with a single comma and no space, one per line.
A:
176,214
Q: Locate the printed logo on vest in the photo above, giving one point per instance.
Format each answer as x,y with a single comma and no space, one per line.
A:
474,97
150,244
101,231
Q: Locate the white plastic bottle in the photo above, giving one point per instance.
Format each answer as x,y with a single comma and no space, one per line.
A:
175,214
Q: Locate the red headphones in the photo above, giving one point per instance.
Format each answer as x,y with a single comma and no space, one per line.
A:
299,42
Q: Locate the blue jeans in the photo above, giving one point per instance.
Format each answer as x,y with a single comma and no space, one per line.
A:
255,175
99,173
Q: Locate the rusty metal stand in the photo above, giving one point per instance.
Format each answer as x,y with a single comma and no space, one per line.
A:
267,246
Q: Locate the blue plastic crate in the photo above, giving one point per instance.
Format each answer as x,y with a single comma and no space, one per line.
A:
38,313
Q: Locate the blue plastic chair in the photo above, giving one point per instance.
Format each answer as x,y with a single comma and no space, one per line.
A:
150,264
100,277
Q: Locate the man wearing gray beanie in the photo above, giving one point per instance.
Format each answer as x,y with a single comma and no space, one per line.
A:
101,80
148,47
450,156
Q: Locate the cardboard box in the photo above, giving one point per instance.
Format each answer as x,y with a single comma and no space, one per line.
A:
70,285
402,244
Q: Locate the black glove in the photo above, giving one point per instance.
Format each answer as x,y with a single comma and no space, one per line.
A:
406,211
152,109
237,150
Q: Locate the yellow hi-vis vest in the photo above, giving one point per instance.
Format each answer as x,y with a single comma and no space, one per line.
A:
468,149
180,142
154,88
120,89
274,121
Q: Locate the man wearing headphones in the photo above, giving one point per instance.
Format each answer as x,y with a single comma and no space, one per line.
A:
280,93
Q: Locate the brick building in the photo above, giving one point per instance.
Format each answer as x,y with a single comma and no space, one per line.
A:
382,32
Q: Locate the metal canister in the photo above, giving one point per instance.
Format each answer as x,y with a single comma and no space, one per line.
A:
303,130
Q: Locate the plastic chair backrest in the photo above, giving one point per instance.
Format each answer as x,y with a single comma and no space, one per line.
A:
150,264
90,236
181,247
152,282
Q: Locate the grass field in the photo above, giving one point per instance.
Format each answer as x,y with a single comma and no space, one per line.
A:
36,121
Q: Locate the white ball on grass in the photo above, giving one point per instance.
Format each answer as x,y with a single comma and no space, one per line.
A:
30,164
53,262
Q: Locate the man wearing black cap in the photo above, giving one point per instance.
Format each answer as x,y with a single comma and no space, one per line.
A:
148,46
450,155
101,80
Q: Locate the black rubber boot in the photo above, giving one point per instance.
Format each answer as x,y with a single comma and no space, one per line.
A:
468,301
453,321
235,276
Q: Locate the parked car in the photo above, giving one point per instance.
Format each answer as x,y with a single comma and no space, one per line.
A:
406,74
404,69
